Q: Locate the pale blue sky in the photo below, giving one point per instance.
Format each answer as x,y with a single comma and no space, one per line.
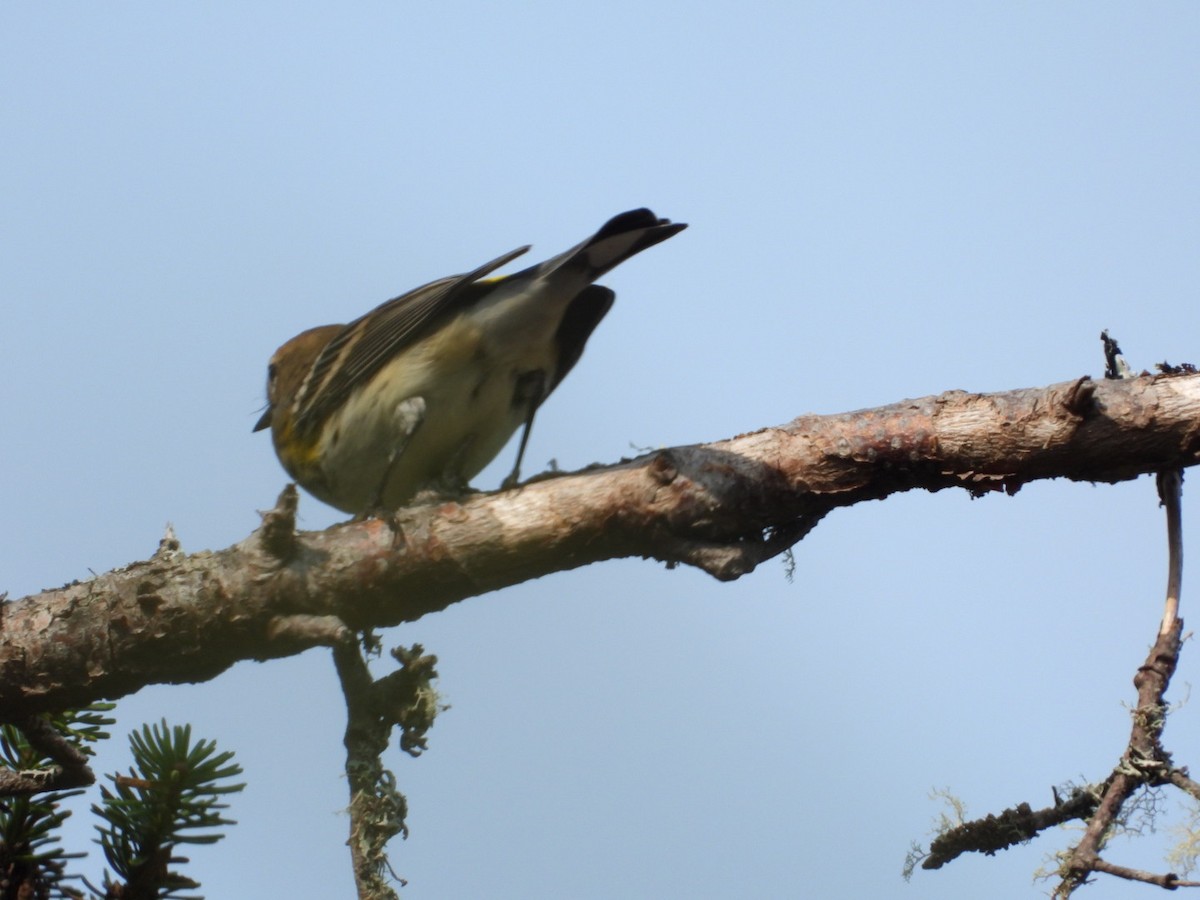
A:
886,201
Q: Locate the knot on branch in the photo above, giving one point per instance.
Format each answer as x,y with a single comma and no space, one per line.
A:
1079,400
277,534
698,515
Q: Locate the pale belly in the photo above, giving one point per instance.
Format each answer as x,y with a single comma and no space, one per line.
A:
468,389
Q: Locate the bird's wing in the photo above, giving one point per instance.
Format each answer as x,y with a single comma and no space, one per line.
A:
364,346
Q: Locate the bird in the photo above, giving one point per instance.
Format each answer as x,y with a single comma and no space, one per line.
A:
426,389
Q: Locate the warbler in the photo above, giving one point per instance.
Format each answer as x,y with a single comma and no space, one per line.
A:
426,389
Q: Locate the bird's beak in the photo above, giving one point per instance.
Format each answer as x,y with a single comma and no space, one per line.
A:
265,421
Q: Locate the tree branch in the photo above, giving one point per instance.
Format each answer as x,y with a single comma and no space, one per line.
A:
1145,762
724,507
70,769
1013,826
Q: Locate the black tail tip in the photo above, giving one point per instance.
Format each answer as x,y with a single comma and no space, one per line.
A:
635,220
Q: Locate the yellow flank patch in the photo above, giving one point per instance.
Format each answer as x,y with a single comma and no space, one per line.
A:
299,454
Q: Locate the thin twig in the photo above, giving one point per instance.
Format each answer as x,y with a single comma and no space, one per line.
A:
1181,780
375,813
1170,492
1013,826
1144,763
1168,880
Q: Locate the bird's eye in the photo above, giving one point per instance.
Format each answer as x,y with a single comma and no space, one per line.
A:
272,371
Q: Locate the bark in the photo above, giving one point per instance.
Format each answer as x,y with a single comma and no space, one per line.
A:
724,507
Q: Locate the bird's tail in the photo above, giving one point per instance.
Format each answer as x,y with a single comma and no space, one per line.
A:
621,237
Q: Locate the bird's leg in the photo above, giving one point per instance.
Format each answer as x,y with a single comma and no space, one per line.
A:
510,480
530,392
